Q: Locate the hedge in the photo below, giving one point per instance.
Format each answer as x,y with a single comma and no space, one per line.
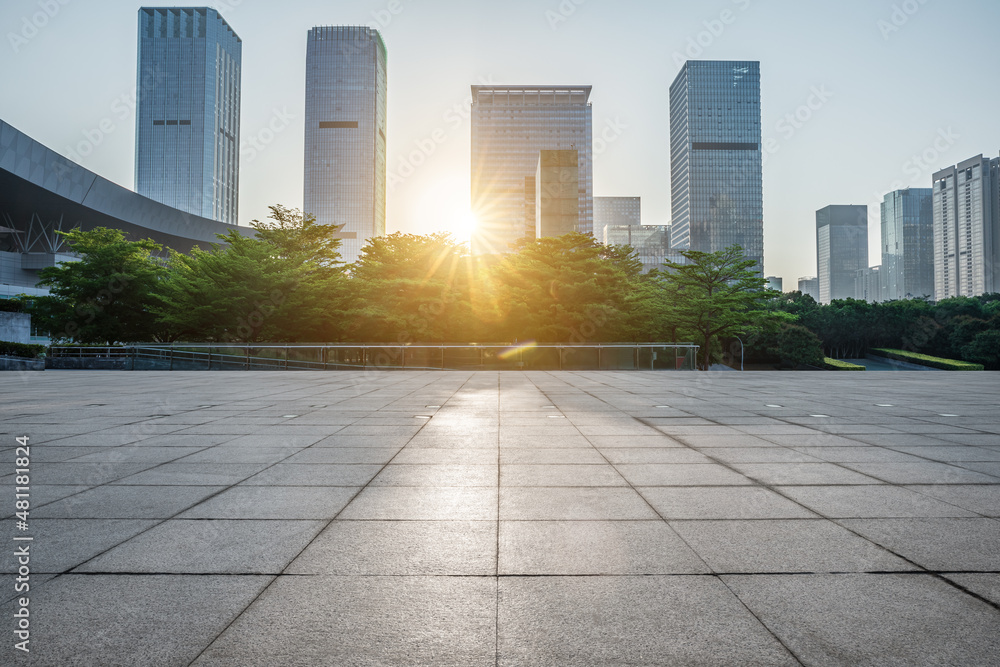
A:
838,365
11,306
927,360
8,349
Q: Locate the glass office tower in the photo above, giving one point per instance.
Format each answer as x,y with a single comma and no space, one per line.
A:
841,249
510,126
715,158
616,211
345,152
908,244
188,111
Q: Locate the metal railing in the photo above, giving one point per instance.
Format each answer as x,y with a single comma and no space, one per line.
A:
210,356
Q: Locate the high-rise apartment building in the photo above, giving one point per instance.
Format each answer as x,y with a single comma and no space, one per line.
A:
510,126
617,211
715,158
966,205
869,285
907,244
841,250
345,151
187,148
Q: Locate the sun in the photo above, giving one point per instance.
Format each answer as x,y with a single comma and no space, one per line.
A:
466,226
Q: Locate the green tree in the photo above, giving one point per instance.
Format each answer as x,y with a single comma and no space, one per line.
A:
570,289
716,295
408,288
284,284
108,296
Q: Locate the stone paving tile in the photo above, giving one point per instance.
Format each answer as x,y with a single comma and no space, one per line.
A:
629,621
127,502
348,620
805,546
193,474
935,543
983,500
124,620
873,619
617,455
738,502
924,472
986,585
314,474
70,542
404,503
802,473
181,546
274,502
689,474
572,504
871,502
401,548
594,548
560,475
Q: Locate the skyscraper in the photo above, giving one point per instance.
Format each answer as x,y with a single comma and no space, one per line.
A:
841,250
188,111
187,148
510,125
557,193
907,244
715,158
616,211
345,156
967,229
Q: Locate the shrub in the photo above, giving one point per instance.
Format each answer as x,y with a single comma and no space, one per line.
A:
838,365
24,350
11,306
927,360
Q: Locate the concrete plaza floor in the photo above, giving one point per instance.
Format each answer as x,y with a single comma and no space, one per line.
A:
484,518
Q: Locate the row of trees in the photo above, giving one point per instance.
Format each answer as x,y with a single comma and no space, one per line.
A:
965,328
288,284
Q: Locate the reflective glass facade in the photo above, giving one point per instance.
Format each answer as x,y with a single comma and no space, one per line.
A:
345,144
617,211
188,111
510,125
715,158
907,244
841,250
966,209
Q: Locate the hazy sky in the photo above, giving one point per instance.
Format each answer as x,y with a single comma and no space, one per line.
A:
898,90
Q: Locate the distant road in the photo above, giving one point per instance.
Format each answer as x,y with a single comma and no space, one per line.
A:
882,364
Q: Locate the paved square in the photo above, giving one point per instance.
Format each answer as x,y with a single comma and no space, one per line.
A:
484,518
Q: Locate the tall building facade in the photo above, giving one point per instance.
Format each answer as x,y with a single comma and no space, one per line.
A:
557,193
617,211
776,283
345,143
187,148
907,244
841,250
716,177
966,205
869,285
510,126
651,243
809,285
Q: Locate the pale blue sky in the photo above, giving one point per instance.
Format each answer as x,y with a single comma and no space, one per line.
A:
892,93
